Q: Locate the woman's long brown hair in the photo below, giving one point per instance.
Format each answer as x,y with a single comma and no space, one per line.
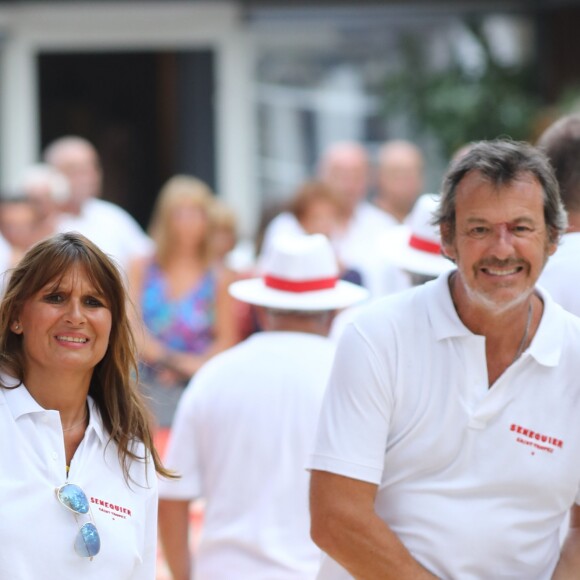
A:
114,381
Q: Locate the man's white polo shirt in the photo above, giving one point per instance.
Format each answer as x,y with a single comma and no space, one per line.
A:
241,438
111,228
561,276
474,481
365,230
37,532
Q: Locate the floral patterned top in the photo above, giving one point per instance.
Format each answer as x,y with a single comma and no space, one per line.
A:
186,323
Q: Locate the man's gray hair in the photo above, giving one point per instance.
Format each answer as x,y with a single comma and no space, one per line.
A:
501,162
299,313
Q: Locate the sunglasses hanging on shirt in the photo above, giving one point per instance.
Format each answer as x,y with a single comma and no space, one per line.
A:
72,497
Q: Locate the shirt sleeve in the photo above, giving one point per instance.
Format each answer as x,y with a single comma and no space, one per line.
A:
181,454
140,243
355,416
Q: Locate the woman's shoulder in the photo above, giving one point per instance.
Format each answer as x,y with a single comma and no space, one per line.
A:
142,268
140,465
223,275
143,263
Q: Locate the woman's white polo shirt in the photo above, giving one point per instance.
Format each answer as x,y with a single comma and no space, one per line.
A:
37,532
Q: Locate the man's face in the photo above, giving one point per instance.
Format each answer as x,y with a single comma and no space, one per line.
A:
348,174
320,217
400,178
17,222
80,166
501,241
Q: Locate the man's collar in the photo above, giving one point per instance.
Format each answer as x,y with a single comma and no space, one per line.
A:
546,346
548,342
441,310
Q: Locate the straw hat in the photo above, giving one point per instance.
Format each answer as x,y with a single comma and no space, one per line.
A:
416,246
299,273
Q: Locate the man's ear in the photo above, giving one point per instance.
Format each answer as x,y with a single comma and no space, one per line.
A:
553,241
447,241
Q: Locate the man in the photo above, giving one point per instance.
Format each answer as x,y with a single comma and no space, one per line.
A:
414,248
345,168
561,143
449,441
103,222
246,423
399,178
49,193
18,219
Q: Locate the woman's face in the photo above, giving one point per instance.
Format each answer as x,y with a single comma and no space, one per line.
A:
321,217
188,222
65,328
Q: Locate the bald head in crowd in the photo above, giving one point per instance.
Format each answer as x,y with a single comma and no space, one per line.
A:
78,161
345,168
400,178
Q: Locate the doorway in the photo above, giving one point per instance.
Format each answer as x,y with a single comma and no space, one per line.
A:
149,114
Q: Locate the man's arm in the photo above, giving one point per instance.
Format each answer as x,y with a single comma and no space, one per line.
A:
568,567
174,536
346,527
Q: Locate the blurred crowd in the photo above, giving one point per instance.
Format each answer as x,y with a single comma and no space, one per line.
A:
178,271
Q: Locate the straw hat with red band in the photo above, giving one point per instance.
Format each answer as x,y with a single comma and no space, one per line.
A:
299,273
416,246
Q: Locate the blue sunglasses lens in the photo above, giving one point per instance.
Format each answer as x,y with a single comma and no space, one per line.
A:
88,542
74,498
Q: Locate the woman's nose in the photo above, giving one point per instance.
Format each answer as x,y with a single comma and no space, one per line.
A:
74,312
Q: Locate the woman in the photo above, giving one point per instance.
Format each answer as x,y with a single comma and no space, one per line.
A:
48,191
72,422
182,297
18,219
319,210
224,232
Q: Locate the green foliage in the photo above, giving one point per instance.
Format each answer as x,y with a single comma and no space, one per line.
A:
456,105
569,100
